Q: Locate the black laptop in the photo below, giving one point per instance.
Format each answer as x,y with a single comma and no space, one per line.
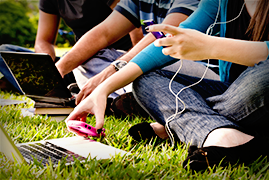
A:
37,77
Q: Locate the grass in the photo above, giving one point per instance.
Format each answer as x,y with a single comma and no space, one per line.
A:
156,160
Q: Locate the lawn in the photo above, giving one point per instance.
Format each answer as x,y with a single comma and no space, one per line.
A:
148,160
154,160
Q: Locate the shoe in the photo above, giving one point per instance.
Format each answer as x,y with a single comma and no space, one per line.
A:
202,158
142,132
73,88
125,105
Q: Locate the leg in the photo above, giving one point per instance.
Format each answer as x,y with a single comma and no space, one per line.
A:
246,100
206,156
95,65
192,68
198,119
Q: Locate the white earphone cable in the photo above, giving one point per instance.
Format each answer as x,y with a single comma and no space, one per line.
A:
208,32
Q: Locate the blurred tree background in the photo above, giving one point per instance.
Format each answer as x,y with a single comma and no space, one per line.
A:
19,22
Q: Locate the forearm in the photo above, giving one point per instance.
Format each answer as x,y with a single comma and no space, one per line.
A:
110,70
136,35
45,47
120,79
82,50
94,40
148,39
46,33
173,19
242,52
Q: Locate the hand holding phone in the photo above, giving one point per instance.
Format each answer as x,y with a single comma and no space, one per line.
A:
157,35
84,129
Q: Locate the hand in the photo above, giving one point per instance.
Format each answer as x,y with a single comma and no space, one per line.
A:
95,104
93,82
88,88
183,43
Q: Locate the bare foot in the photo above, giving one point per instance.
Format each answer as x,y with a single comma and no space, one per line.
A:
226,137
159,130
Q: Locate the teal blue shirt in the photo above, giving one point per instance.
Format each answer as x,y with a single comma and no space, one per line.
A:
152,57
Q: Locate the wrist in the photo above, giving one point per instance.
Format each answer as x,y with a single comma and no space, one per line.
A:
109,71
118,64
213,50
59,69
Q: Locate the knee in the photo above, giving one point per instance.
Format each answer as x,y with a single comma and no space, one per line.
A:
14,48
139,86
6,47
243,96
144,86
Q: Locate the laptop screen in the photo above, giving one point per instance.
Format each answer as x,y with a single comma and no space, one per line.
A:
36,74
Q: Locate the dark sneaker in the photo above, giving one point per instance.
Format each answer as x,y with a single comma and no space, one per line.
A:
73,88
142,131
125,105
202,158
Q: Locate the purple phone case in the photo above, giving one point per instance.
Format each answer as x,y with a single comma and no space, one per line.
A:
84,128
156,34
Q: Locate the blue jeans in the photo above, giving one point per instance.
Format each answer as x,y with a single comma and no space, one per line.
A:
95,65
211,104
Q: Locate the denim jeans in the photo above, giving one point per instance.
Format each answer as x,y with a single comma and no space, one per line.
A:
211,104
95,65
193,68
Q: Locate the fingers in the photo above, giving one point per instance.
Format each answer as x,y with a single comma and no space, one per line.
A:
168,51
75,115
82,95
79,97
99,117
164,28
168,41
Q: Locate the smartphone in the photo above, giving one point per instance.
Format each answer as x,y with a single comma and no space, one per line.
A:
156,34
84,129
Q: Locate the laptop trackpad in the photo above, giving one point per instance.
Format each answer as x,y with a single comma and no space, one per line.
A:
84,147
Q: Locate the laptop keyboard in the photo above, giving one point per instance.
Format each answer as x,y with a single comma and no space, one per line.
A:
46,151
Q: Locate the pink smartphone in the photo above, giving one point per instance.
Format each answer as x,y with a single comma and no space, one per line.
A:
84,128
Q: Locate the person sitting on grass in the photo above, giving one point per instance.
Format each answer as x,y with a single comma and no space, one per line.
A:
96,49
127,15
223,121
78,15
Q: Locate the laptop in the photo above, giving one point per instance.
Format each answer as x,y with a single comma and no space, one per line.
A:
56,149
36,76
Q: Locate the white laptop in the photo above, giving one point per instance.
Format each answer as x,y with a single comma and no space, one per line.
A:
56,149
